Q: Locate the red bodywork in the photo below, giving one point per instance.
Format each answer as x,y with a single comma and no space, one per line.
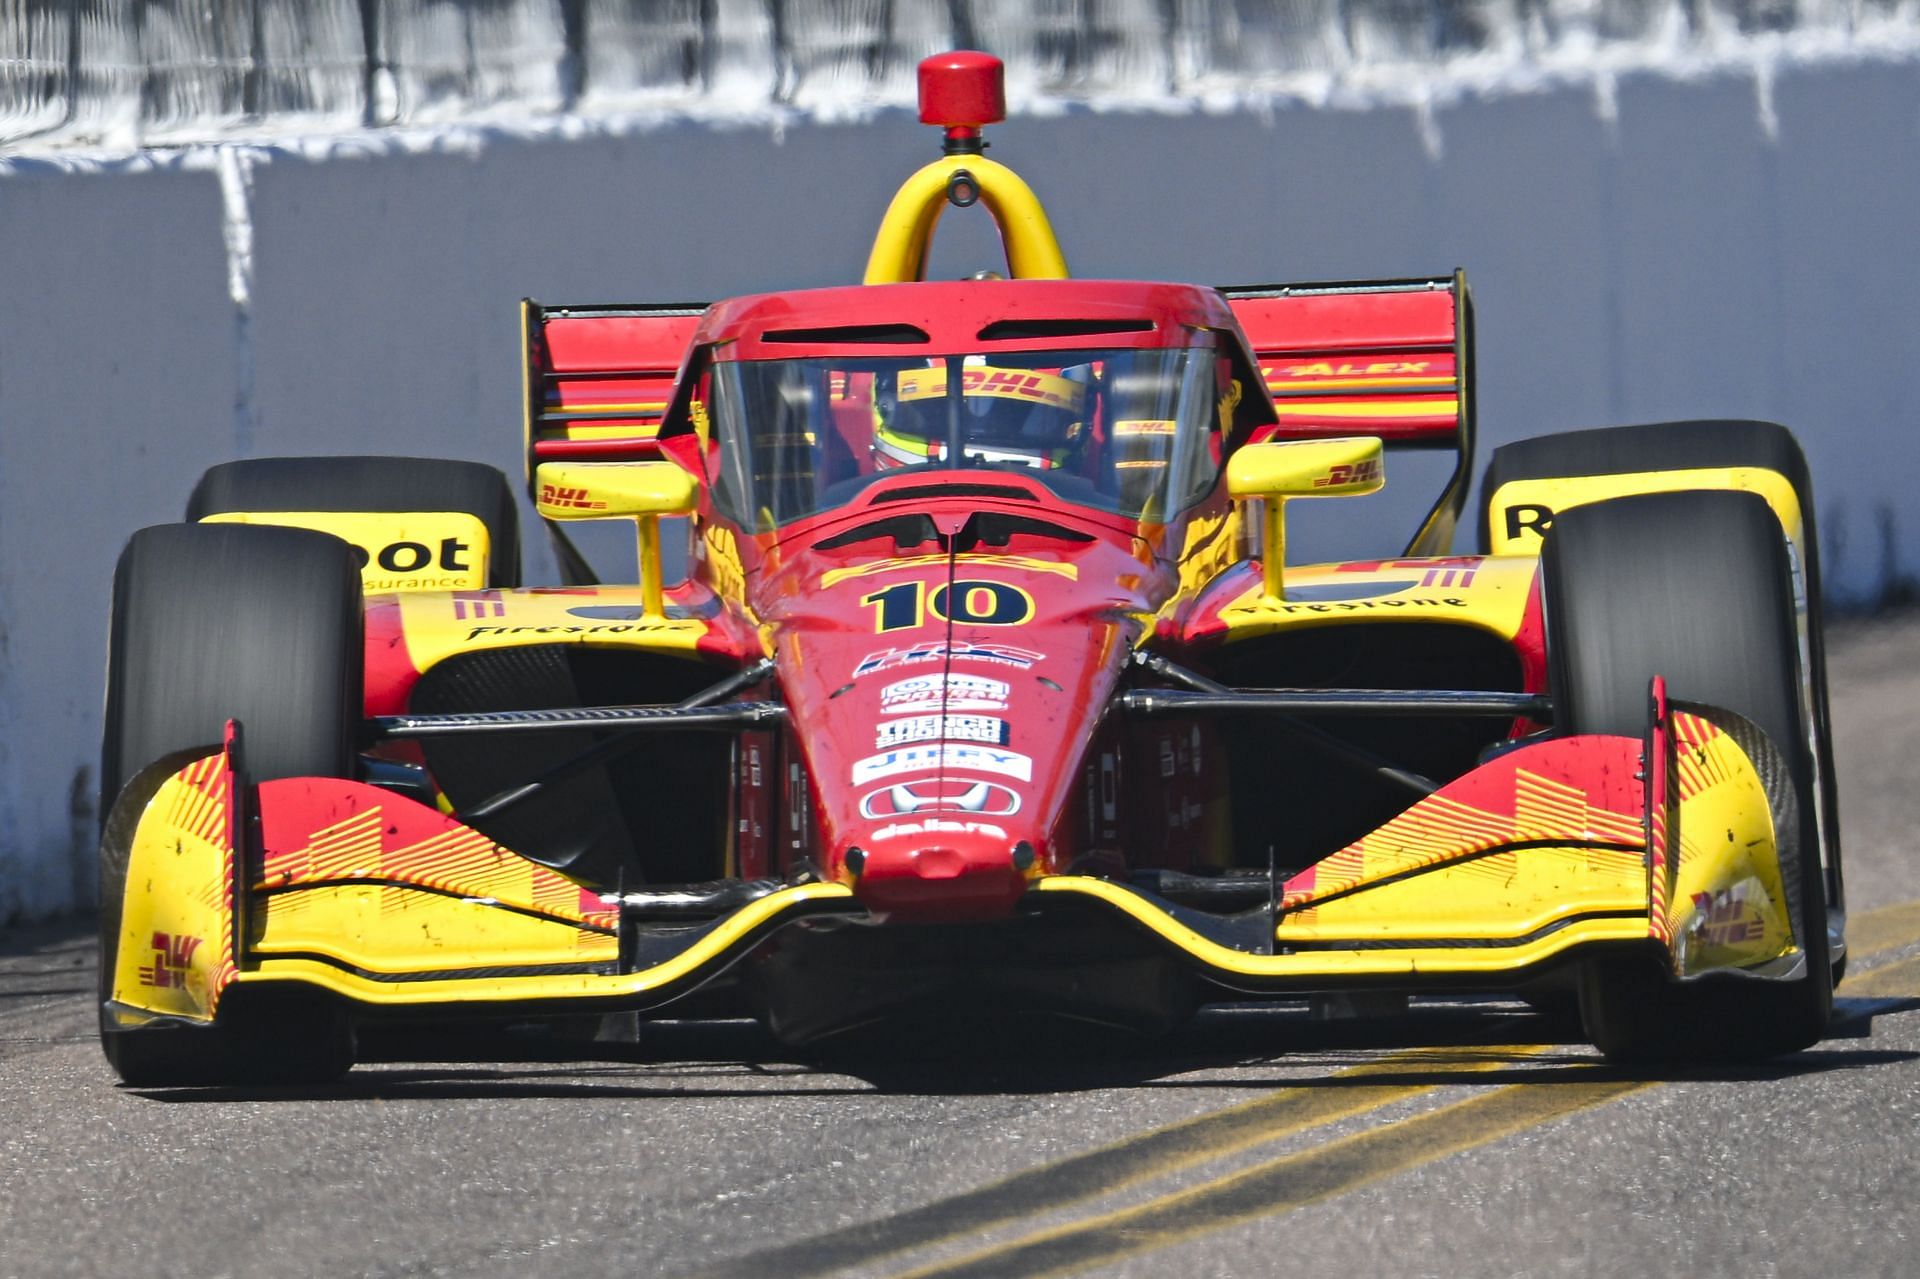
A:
943,693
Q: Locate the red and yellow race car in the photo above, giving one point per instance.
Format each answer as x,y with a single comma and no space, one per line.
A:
987,685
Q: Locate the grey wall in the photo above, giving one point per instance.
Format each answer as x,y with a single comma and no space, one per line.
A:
1668,256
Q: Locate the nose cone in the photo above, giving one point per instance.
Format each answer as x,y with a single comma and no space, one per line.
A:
950,865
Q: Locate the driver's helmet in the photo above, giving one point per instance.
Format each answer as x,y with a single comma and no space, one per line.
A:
1009,415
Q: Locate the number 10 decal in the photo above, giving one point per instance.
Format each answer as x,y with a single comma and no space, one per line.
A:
970,601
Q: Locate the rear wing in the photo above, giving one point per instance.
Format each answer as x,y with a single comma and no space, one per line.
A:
598,378
1391,358
596,383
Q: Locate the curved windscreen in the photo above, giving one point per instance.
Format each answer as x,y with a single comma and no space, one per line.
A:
1131,431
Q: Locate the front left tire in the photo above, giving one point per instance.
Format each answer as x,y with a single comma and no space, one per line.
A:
261,625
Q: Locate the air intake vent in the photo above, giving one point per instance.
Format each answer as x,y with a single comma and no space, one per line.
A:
1028,330
855,334
924,491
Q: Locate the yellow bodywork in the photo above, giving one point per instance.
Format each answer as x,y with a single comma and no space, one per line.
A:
438,627
1448,890
398,551
643,491
1520,511
174,952
1490,594
1272,473
608,490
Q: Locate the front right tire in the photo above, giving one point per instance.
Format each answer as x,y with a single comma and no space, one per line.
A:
1694,586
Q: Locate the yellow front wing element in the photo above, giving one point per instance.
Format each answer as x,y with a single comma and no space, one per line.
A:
174,951
1485,878
384,902
1535,855
509,979
390,888
1725,903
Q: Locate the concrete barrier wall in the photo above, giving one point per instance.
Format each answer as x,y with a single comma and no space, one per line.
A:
1666,249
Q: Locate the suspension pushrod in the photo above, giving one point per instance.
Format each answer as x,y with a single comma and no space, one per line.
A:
1339,701
730,718
612,747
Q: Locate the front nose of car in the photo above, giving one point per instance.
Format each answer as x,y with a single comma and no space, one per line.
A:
940,867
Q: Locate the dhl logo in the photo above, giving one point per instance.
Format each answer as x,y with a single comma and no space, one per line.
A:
569,499
172,956
1361,472
1725,922
1006,384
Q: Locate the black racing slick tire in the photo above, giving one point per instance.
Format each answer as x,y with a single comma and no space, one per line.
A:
1697,587
1702,445
1657,446
371,484
261,625
254,623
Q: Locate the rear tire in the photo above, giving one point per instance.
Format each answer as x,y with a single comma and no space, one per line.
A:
371,484
1696,587
261,625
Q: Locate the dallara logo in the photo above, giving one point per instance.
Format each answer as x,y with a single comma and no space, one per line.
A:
172,956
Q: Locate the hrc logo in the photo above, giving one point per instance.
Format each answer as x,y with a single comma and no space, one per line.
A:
171,957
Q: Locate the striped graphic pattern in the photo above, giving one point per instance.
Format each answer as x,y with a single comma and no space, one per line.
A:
408,846
599,379
1660,863
1312,392
209,815
1485,810
1696,767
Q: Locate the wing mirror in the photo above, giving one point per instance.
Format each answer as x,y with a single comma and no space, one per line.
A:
641,491
1273,472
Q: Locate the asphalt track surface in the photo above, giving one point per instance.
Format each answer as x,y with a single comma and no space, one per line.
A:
1454,1140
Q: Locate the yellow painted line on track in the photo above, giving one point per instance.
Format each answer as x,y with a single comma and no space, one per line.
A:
1898,980
1888,928
1157,1153
1274,1186
1297,1180
1292,1181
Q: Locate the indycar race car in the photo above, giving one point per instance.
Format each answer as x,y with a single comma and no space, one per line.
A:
987,685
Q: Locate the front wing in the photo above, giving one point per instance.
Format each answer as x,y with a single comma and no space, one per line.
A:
1544,854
